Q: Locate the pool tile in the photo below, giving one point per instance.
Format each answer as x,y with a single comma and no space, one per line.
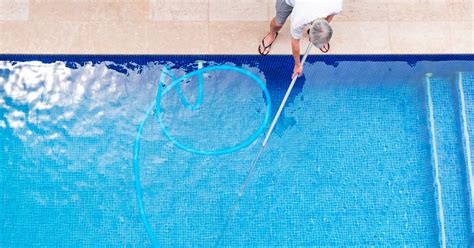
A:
61,37
364,10
419,37
236,37
360,37
179,10
271,9
417,10
45,37
460,10
13,36
178,37
120,11
461,37
14,10
56,10
238,10
119,37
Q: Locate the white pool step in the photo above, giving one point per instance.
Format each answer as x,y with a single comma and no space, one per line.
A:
465,93
447,160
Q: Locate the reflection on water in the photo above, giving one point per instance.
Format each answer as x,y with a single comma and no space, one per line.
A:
351,163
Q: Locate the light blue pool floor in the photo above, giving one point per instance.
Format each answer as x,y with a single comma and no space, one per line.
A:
350,162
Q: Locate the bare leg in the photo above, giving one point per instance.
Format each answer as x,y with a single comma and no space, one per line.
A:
274,28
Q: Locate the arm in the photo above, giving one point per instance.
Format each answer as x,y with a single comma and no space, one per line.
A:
295,47
329,18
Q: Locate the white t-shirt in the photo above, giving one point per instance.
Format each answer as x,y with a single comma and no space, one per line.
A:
306,11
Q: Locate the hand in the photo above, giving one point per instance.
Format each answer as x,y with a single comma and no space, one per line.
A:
297,70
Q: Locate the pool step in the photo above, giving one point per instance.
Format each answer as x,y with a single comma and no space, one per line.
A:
465,92
448,161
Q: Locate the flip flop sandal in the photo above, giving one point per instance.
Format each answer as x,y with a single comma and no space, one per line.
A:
325,49
262,52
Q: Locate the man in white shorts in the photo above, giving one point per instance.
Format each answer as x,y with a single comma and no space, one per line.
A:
317,13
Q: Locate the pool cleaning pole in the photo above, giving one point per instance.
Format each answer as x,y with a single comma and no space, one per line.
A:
272,126
242,188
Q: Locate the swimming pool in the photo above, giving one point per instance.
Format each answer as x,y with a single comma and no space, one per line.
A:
370,150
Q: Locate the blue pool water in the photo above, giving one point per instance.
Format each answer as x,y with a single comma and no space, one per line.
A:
370,150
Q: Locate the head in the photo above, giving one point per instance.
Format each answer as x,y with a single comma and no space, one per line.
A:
320,33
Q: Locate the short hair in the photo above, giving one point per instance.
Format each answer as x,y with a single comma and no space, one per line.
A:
320,33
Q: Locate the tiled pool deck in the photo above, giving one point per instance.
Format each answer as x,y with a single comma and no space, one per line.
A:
226,27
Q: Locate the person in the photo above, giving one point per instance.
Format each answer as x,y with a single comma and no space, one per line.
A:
314,13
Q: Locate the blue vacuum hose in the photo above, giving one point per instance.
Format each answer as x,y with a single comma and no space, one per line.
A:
161,91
